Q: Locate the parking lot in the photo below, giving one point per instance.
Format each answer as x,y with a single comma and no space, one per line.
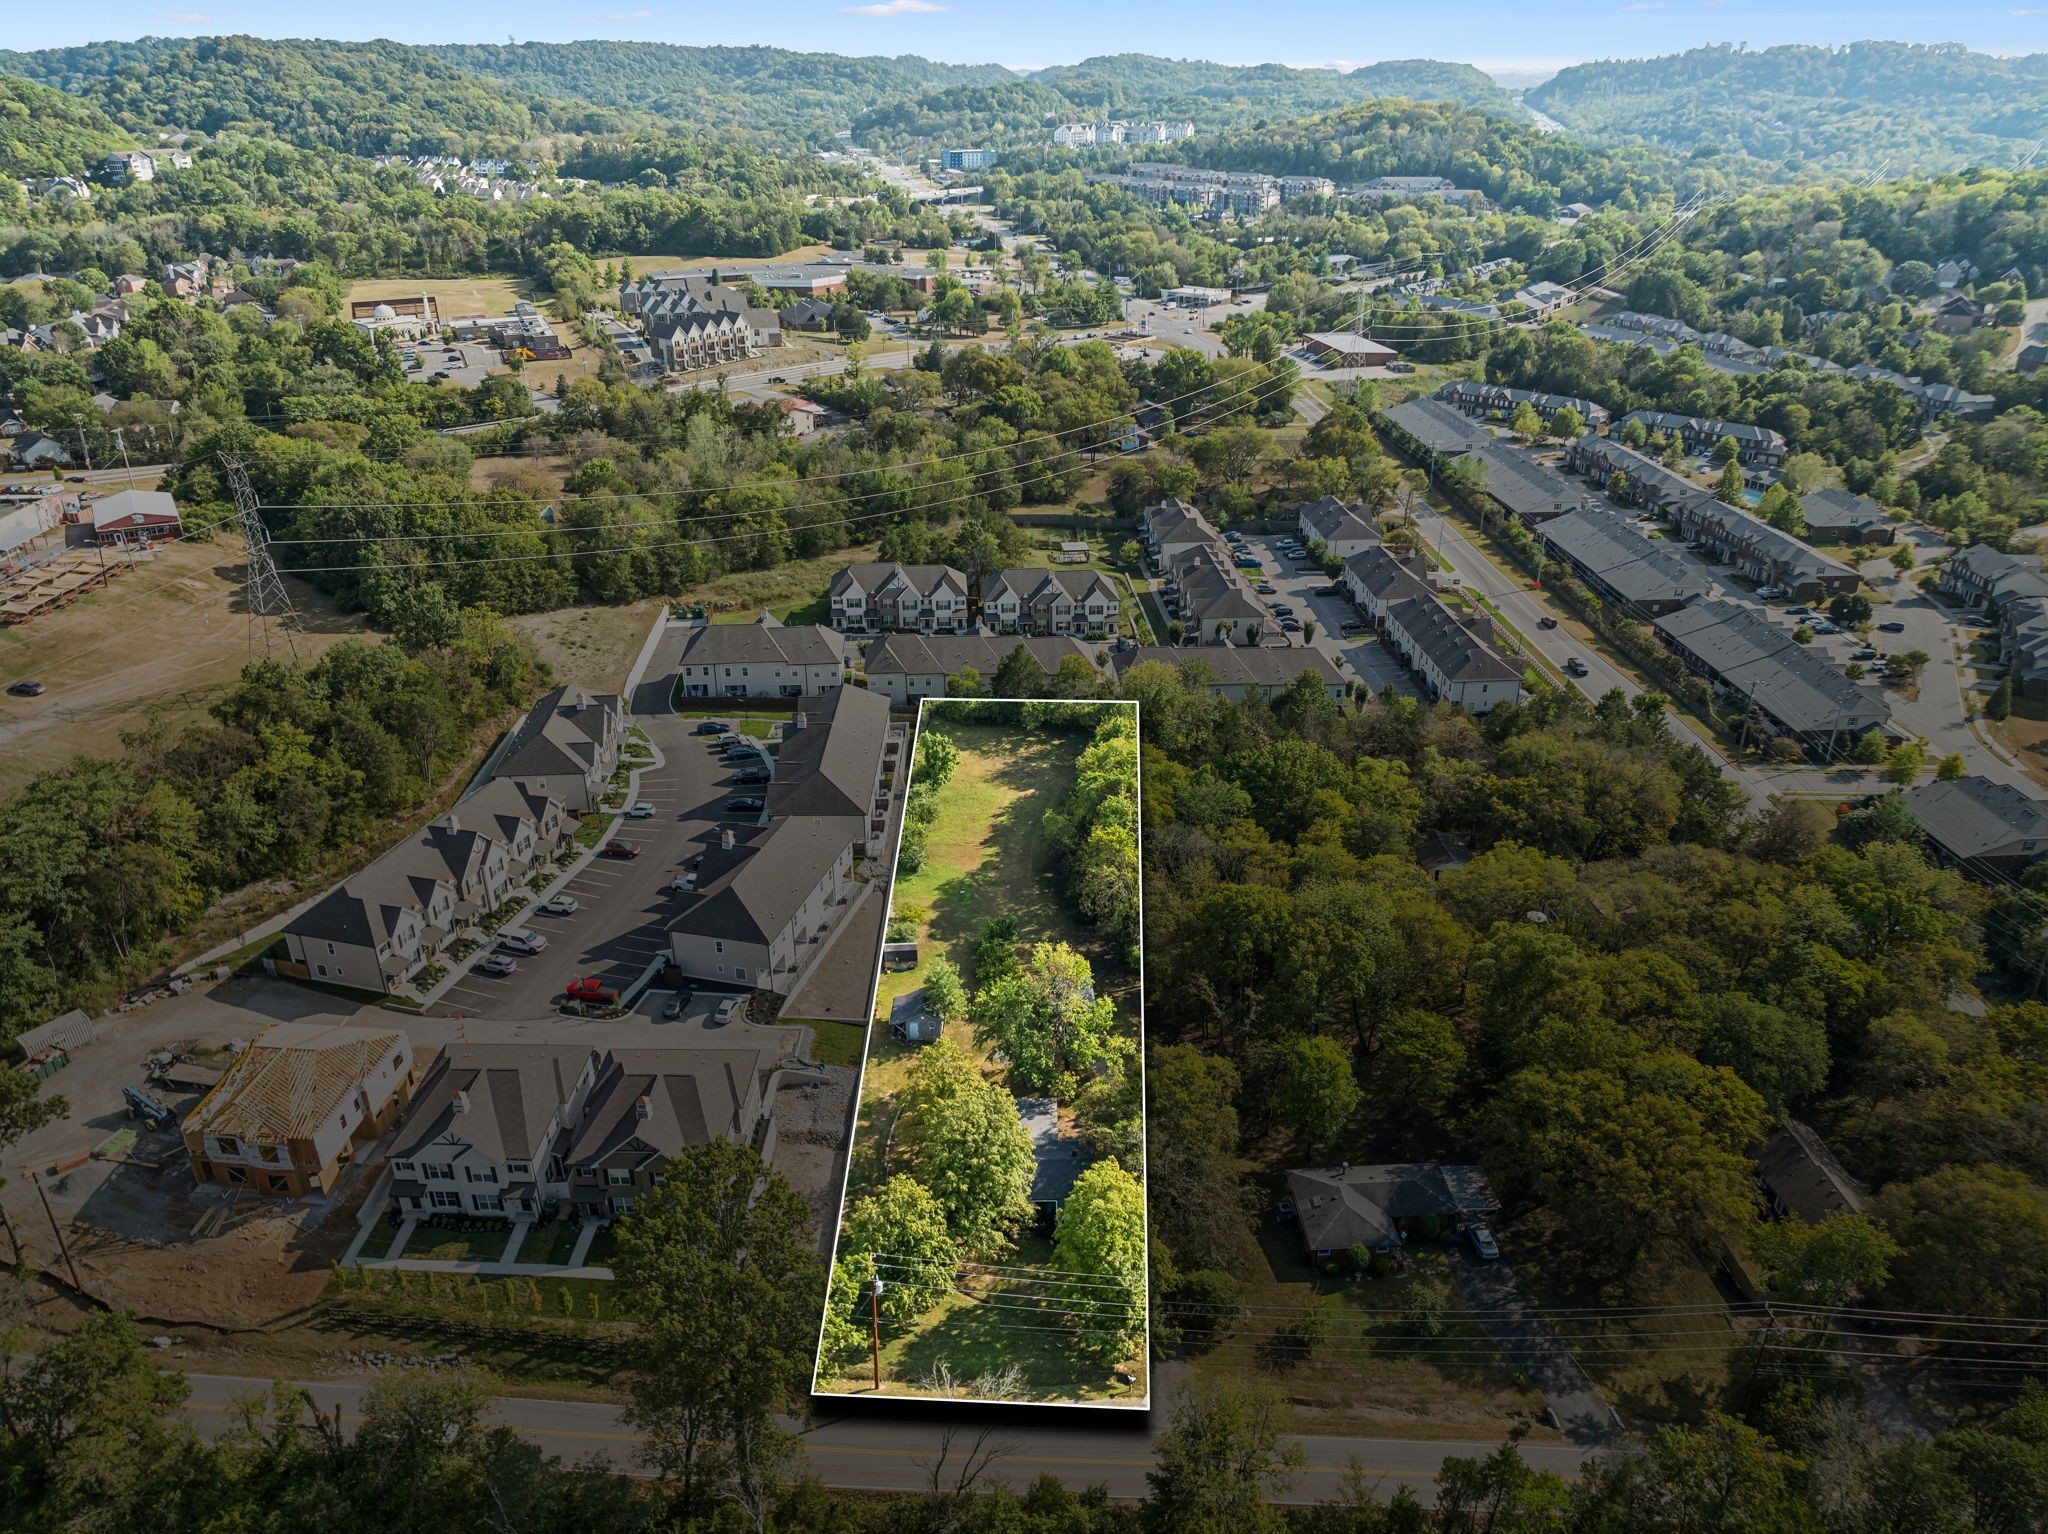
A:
436,360
623,904
1295,584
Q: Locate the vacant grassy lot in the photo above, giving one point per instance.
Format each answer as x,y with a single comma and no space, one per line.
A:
986,856
595,646
164,640
454,297
643,264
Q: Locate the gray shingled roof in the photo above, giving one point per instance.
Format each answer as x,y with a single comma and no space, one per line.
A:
758,643
1345,1206
1976,817
508,1094
667,1099
750,892
1609,549
1437,426
1753,658
1236,665
829,766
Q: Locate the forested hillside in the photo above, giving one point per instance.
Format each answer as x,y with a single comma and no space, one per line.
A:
1511,162
1140,85
47,133
769,90
366,98
1924,108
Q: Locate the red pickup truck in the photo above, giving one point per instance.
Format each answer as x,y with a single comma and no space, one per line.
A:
590,988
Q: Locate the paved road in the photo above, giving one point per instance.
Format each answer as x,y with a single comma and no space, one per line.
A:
1511,1319
863,1453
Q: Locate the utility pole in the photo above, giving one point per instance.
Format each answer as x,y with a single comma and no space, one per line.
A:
58,1231
263,592
875,1323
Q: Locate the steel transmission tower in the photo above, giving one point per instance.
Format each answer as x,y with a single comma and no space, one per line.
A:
269,604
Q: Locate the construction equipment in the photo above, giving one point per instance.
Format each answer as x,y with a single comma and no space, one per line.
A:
145,1107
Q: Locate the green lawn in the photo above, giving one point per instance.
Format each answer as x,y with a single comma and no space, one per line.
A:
551,1243
831,1043
602,1247
757,725
429,1245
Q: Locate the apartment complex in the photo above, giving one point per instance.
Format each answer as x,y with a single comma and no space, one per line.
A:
917,599
1757,665
1083,135
908,668
768,897
1215,192
1050,602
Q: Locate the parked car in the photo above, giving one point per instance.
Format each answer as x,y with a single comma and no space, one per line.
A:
1248,562
682,884
1352,626
640,811
1822,626
591,988
711,727
673,1007
1893,627
1292,625
519,940
1866,653
557,905
1546,623
1798,612
1769,592
28,689
1329,591
728,1009
752,775
1265,588
1283,610
1576,666
620,849
746,804
496,964
1484,1247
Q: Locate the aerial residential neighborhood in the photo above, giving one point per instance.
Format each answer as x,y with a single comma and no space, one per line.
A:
845,789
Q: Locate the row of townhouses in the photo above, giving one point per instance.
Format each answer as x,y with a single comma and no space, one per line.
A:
1453,652
1484,400
1760,552
1755,446
933,599
1756,665
383,923
524,1131
1731,354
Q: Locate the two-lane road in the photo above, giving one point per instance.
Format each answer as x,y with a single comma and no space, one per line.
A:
870,1454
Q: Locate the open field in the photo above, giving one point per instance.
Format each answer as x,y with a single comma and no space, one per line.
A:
454,297
164,639
595,646
643,264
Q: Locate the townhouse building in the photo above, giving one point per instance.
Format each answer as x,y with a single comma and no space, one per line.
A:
1987,578
1343,528
2023,643
917,599
1454,656
1620,564
522,1132
1757,665
762,659
1238,672
1755,446
291,1111
1050,602
566,748
1485,399
908,668
1208,596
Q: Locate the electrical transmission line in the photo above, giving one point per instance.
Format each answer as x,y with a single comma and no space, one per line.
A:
269,605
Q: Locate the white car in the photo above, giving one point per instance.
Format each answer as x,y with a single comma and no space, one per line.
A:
519,940
558,905
497,964
641,811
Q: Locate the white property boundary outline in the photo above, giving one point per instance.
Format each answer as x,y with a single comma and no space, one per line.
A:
1144,1402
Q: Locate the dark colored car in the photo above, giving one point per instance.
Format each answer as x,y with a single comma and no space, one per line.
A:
1894,627
620,849
1546,623
753,775
746,804
28,689
711,727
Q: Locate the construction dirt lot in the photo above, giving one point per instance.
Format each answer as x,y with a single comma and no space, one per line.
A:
165,638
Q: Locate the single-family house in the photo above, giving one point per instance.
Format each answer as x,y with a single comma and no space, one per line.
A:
1339,1208
1802,1180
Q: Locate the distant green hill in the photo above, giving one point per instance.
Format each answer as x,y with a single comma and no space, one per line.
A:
768,90
366,98
1924,109
1137,84
47,133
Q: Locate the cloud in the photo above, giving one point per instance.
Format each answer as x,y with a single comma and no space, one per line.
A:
2033,10
893,8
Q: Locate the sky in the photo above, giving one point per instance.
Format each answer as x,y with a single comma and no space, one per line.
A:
1514,35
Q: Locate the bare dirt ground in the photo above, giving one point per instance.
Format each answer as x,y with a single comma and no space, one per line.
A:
592,645
166,638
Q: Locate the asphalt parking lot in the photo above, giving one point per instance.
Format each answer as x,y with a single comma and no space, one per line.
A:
623,906
473,369
1295,584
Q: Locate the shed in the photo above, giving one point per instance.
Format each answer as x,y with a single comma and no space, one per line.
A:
912,1021
67,1031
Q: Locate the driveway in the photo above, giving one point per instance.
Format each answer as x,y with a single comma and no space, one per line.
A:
1507,1315
623,905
